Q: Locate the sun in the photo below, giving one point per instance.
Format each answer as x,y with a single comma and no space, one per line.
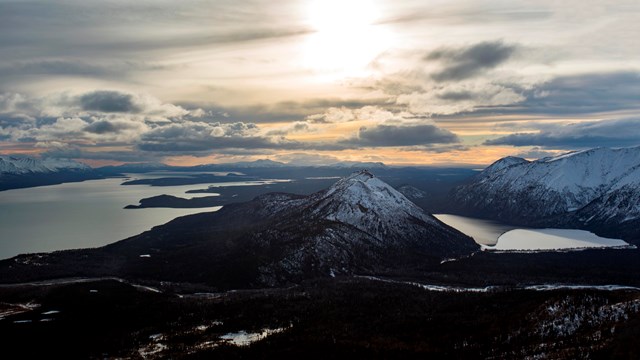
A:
346,37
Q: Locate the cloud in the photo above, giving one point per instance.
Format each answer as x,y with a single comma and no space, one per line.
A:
109,101
584,93
464,63
110,127
296,127
97,102
459,98
344,114
401,135
57,67
608,133
450,80
104,117
192,137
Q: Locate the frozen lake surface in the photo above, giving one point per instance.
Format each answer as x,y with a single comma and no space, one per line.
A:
552,239
492,235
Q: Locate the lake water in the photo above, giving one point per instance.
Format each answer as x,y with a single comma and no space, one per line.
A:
83,214
484,232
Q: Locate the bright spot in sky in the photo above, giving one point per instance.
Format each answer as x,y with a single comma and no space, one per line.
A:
347,38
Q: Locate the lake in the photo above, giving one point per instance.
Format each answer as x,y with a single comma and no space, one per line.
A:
84,214
484,232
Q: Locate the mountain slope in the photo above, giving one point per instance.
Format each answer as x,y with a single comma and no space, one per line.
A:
358,225
18,165
24,171
593,186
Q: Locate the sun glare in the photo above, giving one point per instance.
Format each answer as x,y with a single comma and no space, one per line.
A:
346,37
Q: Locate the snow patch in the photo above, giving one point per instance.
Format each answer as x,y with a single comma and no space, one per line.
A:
243,338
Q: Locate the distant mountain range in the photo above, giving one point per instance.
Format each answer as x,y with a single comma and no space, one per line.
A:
257,164
20,165
597,189
360,225
24,171
21,171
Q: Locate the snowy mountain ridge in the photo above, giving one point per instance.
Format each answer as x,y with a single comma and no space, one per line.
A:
597,185
19,165
369,204
591,170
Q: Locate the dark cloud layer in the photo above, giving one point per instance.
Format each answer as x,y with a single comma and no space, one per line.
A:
109,101
398,135
464,63
106,127
607,133
585,93
286,110
194,137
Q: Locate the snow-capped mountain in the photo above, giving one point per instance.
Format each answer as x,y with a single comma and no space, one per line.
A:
370,205
358,225
23,171
597,185
18,165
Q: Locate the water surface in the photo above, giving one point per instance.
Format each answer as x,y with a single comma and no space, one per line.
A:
85,214
484,232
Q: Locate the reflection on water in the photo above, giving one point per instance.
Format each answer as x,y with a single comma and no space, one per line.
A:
79,215
484,232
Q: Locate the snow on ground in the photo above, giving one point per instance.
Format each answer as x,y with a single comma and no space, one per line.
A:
552,239
243,338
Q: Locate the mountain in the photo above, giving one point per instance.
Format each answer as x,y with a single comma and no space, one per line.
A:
260,163
142,167
412,193
19,165
356,164
24,171
360,225
597,188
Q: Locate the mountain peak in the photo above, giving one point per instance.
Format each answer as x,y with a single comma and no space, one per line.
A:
505,162
359,185
369,204
356,177
362,173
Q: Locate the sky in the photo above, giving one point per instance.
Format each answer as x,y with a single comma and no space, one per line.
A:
404,82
